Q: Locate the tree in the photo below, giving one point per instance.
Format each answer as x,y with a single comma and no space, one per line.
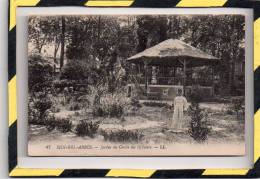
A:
151,31
48,30
62,41
221,36
40,73
38,32
199,126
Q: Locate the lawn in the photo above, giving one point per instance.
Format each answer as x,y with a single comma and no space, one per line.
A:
151,122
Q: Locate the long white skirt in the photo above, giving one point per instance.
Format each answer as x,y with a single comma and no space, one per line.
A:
177,120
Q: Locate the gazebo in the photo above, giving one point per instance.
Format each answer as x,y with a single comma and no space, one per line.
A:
159,71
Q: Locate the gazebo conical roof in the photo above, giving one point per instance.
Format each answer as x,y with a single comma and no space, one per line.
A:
171,52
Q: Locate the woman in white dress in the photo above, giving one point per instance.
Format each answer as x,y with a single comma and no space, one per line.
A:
180,105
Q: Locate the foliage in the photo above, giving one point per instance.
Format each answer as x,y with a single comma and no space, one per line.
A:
196,94
112,105
85,128
151,30
40,73
103,42
39,106
47,30
42,103
122,136
34,115
64,125
74,106
238,106
103,103
50,123
155,104
199,126
75,70
135,104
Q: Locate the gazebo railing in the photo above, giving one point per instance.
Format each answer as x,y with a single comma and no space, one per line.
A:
169,80
172,81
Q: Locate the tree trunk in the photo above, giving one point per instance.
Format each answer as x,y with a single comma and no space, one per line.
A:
62,42
230,78
55,55
56,48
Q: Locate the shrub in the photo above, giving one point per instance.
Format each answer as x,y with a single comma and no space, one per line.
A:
111,105
156,104
38,108
122,136
198,128
33,116
196,95
42,103
74,106
75,70
40,73
63,125
50,123
85,128
135,102
55,109
76,113
238,106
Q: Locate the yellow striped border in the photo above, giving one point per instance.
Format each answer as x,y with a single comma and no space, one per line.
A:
201,3
225,172
256,43
107,3
12,102
16,3
16,172
27,172
130,173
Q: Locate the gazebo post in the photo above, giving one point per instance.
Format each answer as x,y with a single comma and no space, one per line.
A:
184,79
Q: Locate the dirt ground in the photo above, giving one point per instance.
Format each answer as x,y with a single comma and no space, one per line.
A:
153,123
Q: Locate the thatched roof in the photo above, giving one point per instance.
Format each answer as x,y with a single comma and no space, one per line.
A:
169,51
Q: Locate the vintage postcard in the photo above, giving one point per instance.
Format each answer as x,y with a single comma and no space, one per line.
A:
136,85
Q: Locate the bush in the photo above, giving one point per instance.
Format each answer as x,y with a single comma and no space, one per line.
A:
85,128
135,103
111,105
33,116
42,103
238,106
198,128
63,125
50,123
156,104
74,106
40,73
196,95
38,108
122,136
75,70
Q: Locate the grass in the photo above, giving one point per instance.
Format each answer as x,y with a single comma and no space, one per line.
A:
85,128
63,125
122,136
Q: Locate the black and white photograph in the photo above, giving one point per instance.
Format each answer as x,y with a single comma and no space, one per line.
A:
136,85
